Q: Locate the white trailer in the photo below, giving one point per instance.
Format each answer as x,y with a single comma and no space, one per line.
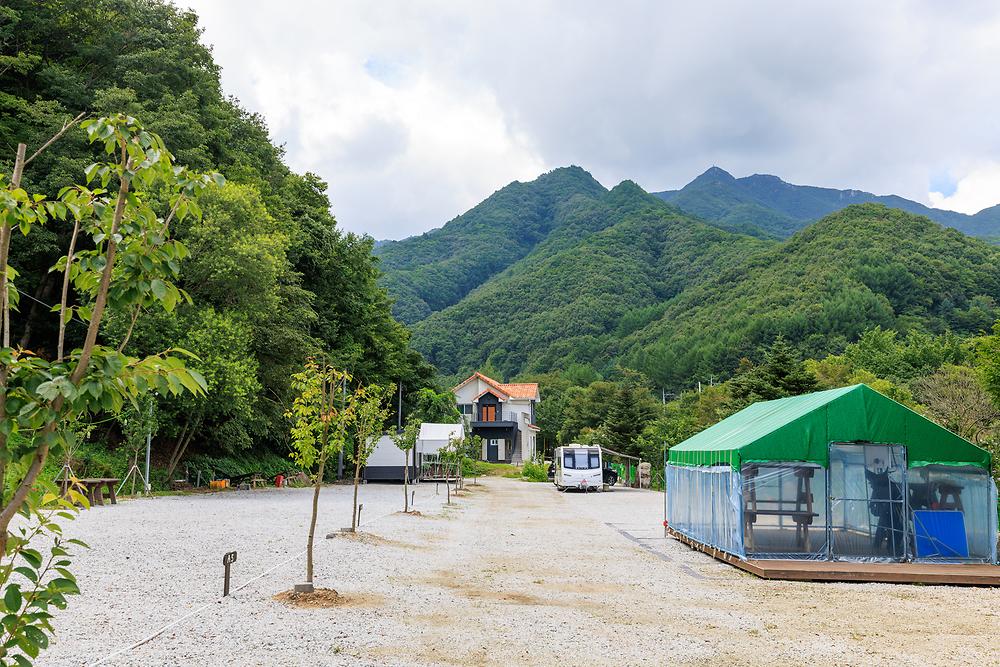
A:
579,467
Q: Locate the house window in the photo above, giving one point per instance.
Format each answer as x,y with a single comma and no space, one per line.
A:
465,408
489,413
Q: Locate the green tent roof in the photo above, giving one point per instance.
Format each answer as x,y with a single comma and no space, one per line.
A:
801,428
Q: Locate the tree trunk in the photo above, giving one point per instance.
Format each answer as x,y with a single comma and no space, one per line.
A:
181,447
312,523
447,481
406,479
5,232
357,479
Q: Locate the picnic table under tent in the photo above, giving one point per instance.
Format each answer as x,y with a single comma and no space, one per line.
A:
845,475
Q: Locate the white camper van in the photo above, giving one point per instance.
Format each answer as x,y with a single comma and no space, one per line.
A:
578,467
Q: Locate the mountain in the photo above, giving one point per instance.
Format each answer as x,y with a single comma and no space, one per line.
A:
768,207
614,277
438,268
567,303
864,266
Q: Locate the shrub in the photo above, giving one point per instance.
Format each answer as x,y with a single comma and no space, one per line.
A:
534,472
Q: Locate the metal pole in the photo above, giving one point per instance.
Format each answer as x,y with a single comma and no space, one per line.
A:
666,512
149,442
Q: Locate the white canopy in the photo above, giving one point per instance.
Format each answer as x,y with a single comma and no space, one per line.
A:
441,432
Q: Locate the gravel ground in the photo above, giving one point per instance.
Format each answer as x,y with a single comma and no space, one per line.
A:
513,573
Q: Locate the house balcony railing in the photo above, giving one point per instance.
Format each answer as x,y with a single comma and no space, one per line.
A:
499,424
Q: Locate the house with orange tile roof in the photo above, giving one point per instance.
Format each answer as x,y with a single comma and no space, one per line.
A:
503,414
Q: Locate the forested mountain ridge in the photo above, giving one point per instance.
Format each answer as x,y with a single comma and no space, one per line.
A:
568,302
766,206
678,299
436,269
862,267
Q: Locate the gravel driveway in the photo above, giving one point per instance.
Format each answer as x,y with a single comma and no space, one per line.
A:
513,573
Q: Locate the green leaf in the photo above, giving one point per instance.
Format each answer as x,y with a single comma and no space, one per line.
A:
28,646
12,598
27,573
33,557
65,585
36,636
159,288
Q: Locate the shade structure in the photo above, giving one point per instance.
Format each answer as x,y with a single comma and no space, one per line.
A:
801,428
840,475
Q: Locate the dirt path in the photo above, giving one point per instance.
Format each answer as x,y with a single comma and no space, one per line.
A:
530,576
516,573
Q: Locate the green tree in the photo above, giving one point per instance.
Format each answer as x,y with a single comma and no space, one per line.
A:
370,414
988,361
955,398
406,439
321,415
436,407
131,263
780,374
631,408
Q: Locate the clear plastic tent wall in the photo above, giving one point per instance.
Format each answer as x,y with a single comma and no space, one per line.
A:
867,507
966,496
784,510
705,504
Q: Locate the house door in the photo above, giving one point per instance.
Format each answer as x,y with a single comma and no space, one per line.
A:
867,502
492,453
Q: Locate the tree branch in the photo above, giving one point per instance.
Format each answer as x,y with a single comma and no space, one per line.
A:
102,291
65,292
131,326
56,136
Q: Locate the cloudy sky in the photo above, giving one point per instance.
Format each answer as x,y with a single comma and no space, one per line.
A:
415,111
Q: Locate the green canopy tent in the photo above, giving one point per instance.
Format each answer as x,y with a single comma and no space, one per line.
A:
801,428
841,474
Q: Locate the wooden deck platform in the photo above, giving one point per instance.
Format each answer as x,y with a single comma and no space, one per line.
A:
958,574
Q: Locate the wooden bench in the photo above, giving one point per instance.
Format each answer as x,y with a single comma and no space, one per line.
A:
93,488
799,509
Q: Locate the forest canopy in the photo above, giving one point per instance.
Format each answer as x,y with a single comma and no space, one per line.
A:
271,277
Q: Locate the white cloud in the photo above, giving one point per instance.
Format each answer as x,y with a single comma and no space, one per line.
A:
978,189
415,111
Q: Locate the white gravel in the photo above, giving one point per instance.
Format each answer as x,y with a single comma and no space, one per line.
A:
515,573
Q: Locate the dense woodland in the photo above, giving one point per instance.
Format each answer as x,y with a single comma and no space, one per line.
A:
271,278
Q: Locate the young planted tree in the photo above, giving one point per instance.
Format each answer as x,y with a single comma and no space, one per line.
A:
406,440
129,264
450,454
322,415
372,410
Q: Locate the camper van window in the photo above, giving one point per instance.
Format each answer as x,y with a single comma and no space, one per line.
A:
581,459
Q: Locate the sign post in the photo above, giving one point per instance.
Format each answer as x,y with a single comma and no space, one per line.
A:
227,560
